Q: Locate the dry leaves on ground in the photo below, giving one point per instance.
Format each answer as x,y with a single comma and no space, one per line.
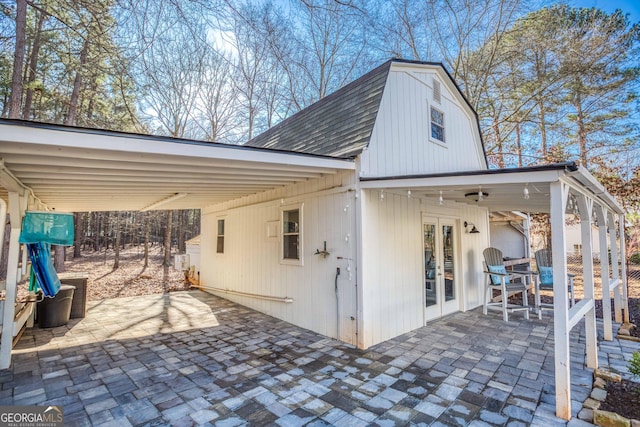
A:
130,279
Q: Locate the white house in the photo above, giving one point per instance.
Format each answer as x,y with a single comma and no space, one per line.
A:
351,218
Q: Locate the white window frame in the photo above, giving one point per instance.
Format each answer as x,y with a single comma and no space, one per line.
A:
223,235
300,233
443,126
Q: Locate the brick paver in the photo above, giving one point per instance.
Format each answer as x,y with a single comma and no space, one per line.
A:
191,358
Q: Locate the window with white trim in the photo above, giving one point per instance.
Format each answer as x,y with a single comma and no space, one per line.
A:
292,235
437,125
220,237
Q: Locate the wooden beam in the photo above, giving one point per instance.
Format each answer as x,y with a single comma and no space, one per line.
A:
585,207
601,214
615,267
6,340
623,257
559,193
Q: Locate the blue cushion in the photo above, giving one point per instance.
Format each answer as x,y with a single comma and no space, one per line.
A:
546,275
498,269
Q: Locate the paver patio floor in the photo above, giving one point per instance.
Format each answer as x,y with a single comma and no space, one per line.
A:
190,358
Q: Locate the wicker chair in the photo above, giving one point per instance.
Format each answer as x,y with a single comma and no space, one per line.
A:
545,280
507,282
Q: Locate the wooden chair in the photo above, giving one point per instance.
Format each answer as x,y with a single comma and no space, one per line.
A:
544,266
507,282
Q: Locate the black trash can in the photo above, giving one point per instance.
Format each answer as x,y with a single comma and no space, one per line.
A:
55,311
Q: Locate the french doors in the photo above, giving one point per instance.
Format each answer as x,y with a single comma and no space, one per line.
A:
441,277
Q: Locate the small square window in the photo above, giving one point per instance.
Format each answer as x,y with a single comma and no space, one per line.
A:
437,125
220,237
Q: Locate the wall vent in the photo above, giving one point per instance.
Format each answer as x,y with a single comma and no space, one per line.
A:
436,90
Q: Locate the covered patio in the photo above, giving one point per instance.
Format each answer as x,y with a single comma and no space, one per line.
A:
561,190
193,358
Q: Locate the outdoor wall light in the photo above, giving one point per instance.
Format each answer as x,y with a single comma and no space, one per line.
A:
473,230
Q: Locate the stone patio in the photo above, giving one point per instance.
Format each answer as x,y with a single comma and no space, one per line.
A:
190,358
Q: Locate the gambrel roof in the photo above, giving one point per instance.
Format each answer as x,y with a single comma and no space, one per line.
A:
340,124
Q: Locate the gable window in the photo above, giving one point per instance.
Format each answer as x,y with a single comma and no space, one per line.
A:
437,125
220,237
292,235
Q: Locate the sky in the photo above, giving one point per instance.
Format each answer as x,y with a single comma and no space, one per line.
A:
632,7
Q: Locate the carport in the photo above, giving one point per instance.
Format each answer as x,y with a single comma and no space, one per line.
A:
67,169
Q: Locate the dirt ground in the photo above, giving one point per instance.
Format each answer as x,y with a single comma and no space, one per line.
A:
129,279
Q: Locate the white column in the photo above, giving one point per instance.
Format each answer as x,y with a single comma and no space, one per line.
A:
6,342
559,193
615,268
604,272
360,200
585,206
623,279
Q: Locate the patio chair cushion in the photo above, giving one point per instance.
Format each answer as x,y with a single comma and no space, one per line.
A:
546,275
495,280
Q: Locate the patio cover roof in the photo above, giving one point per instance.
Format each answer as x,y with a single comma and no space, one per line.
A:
505,187
76,169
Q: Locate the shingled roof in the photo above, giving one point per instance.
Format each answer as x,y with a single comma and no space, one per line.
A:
339,125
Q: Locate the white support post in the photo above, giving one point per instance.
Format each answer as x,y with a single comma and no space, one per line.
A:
615,268
585,206
623,281
360,199
558,198
601,213
6,342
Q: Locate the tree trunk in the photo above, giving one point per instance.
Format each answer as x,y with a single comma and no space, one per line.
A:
58,258
146,240
18,60
78,235
96,231
33,63
167,240
106,230
182,247
519,145
77,84
116,245
499,153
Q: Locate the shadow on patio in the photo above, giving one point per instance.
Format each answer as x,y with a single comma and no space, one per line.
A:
191,358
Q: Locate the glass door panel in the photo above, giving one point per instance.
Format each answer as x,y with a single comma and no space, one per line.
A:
440,267
431,291
448,250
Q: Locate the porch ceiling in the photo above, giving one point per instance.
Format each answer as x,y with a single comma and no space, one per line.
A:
72,169
505,188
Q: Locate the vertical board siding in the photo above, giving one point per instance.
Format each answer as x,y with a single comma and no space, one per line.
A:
400,143
393,261
251,262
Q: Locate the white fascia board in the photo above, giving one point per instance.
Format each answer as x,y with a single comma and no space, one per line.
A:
585,179
465,180
137,145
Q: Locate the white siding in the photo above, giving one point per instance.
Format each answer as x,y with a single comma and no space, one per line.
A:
251,259
400,142
509,240
393,261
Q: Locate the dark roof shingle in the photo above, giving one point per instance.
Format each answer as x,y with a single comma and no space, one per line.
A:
338,125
